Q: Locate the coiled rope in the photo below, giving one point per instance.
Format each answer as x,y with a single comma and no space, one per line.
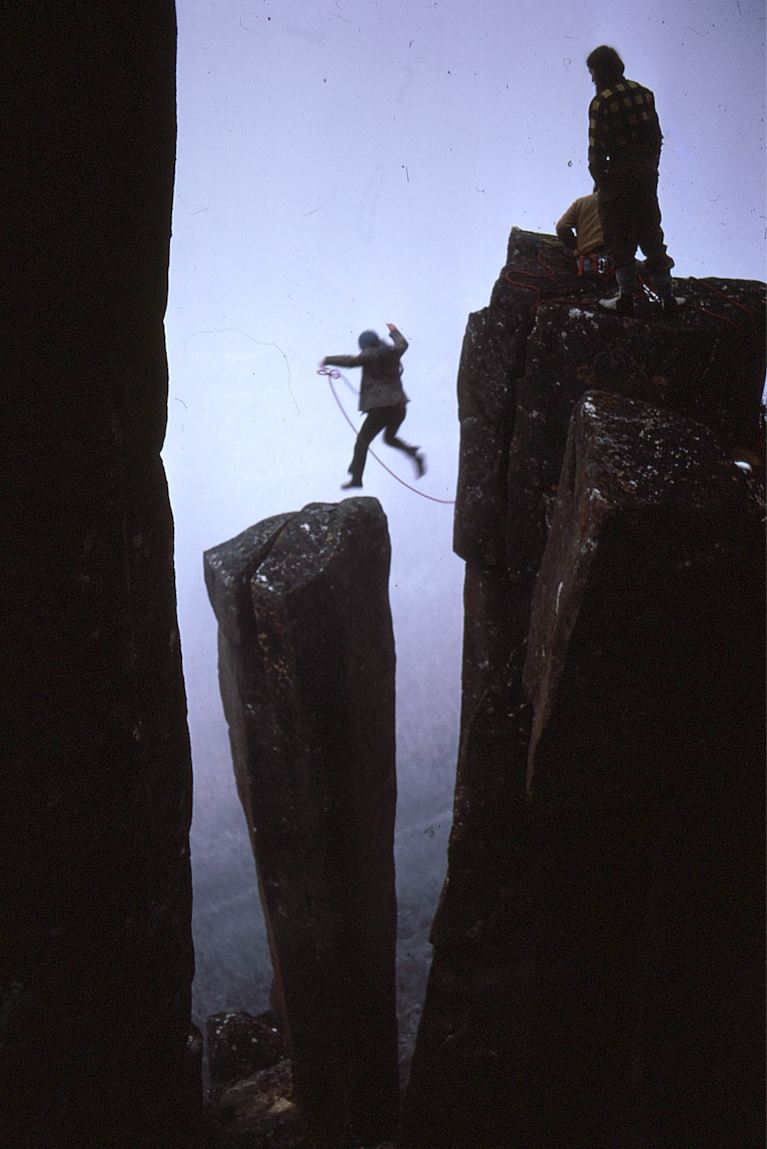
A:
547,273
333,373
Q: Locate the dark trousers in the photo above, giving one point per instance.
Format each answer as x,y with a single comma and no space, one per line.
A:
386,419
630,217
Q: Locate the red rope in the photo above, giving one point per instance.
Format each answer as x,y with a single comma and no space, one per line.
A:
713,315
748,310
332,373
547,273
735,303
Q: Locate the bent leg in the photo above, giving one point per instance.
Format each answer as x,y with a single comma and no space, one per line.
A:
394,422
395,419
375,422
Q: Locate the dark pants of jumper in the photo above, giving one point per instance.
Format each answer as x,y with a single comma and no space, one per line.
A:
630,218
386,419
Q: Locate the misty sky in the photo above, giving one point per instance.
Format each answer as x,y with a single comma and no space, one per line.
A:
348,163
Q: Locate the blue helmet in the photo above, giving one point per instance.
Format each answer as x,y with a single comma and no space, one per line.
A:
368,339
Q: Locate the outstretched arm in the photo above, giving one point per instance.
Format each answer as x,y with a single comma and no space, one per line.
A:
341,361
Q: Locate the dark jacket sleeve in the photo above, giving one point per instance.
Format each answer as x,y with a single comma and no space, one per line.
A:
400,342
344,360
598,140
654,133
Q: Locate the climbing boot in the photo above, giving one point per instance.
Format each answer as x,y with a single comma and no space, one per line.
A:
351,483
420,462
670,304
619,305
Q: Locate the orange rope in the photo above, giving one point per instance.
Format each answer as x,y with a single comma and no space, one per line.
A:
748,310
547,273
735,303
332,373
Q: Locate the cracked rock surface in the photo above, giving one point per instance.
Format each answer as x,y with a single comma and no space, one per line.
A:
598,948
306,661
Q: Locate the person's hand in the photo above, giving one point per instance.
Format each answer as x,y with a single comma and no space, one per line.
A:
391,326
322,362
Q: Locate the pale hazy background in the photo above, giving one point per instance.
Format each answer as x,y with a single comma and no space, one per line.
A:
346,163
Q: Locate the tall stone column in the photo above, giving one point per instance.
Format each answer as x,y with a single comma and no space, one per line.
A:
306,660
598,948
96,934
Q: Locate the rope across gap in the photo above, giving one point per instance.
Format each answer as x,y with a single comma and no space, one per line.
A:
547,273
332,373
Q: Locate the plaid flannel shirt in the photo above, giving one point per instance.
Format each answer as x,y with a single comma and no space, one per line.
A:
624,133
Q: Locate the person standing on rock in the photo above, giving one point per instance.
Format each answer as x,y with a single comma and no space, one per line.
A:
382,398
624,153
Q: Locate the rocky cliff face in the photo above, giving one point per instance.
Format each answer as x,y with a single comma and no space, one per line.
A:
306,663
96,933
596,977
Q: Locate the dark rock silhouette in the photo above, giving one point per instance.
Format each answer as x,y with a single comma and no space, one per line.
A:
306,658
257,1112
543,342
251,1097
96,937
240,1045
598,946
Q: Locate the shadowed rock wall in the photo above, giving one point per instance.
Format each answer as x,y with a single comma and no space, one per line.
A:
599,943
306,664
96,939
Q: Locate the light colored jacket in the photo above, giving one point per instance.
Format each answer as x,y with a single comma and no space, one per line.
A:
582,217
381,370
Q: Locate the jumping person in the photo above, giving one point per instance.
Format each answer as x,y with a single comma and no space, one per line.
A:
382,398
624,153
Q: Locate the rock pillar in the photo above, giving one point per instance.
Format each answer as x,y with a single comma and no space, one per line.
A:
598,944
306,659
96,932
